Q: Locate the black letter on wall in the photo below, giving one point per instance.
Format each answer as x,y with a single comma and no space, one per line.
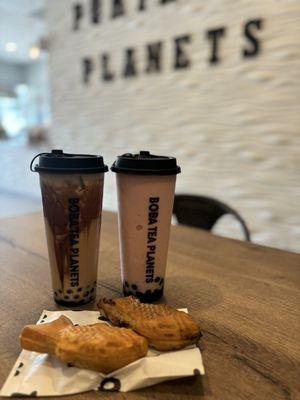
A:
117,8
77,14
107,75
95,11
154,57
88,67
181,59
130,68
214,35
142,5
255,49
166,1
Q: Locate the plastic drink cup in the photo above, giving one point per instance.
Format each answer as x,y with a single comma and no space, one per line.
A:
146,186
72,190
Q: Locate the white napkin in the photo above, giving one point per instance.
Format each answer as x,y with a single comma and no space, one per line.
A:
37,374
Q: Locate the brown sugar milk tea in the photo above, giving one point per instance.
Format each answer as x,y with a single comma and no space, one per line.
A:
146,185
72,188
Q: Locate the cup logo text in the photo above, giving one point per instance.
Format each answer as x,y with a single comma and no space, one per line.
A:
74,213
153,212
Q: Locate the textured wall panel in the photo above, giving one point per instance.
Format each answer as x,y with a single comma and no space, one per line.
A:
234,126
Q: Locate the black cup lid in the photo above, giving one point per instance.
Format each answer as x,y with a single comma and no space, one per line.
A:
145,163
58,162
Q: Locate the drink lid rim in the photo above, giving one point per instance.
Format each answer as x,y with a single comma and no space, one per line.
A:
132,171
145,163
57,161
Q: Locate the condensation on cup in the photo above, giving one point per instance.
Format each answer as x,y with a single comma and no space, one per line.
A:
72,190
146,186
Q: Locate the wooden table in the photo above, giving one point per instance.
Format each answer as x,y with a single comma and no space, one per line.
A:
245,297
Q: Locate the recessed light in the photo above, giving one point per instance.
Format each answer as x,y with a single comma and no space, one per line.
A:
11,47
34,52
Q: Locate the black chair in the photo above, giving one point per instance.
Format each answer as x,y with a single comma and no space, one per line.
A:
203,212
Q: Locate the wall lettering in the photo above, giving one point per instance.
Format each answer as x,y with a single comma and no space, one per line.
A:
214,35
87,69
107,75
255,24
117,8
130,67
77,15
95,11
152,54
154,57
141,5
181,58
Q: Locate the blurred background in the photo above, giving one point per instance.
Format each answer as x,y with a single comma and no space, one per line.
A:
214,83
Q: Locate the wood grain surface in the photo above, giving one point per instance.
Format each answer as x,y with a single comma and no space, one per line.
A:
245,297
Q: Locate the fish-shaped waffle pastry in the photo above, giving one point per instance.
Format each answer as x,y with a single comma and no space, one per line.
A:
99,347
163,326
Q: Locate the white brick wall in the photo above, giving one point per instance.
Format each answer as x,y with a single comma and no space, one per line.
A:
234,126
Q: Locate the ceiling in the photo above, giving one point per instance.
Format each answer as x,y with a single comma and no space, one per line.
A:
21,22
